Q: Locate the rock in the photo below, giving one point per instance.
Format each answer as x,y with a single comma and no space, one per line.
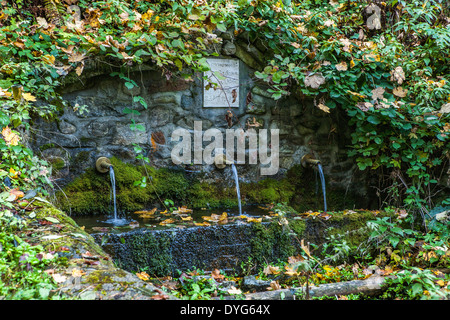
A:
284,128
134,91
66,127
247,58
228,48
125,136
159,116
253,108
98,128
262,92
250,283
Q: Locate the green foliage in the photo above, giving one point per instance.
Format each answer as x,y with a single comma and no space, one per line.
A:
413,284
22,265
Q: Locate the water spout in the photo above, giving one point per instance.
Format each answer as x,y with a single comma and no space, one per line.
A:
103,164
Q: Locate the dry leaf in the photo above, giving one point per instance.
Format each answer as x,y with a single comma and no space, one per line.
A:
48,59
11,138
342,66
216,275
79,69
77,57
58,278
16,193
28,96
377,93
76,273
143,276
233,290
324,108
314,81
274,285
400,92
305,248
167,221
398,75
271,270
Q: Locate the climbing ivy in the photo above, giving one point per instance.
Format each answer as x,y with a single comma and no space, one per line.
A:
385,66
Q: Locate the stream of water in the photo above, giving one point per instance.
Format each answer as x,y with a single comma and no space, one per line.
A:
236,180
115,220
322,180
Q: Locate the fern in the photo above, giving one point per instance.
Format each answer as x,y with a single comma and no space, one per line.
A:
54,9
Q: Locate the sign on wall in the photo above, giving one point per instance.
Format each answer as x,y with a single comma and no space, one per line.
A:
224,72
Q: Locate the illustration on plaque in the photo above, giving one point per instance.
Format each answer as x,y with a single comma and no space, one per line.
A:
224,72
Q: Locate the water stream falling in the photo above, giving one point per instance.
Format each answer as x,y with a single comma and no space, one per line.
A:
236,180
322,180
115,220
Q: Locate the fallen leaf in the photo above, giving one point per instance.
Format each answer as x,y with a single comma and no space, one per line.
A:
400,92
167,221
11,138
274,285
76,273
342,66
314,81
143,275
216,275
323,107
305,248
16,193
377,93
398,75
271,270
58,278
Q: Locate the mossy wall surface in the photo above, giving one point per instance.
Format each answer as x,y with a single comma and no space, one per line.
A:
163,252
91,192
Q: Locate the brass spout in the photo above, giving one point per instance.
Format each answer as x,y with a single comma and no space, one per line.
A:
308,160
221,161
103,164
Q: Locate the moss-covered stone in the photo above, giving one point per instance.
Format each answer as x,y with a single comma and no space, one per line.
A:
91,192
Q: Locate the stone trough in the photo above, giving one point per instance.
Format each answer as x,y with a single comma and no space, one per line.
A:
225,247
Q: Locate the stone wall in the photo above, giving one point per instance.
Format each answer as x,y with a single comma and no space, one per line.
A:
77,139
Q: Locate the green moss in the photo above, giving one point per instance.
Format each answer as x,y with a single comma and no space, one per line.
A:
205,195
90,193
270,242
268,191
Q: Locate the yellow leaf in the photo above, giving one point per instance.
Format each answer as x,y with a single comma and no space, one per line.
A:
324,108
188,218
79,69
11,138
48,59
76,273
352,63
28,96
143,276
17,193
4,93
167,221
400,92
305,248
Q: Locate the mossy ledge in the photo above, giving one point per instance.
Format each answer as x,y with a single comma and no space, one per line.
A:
229,247
90,193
